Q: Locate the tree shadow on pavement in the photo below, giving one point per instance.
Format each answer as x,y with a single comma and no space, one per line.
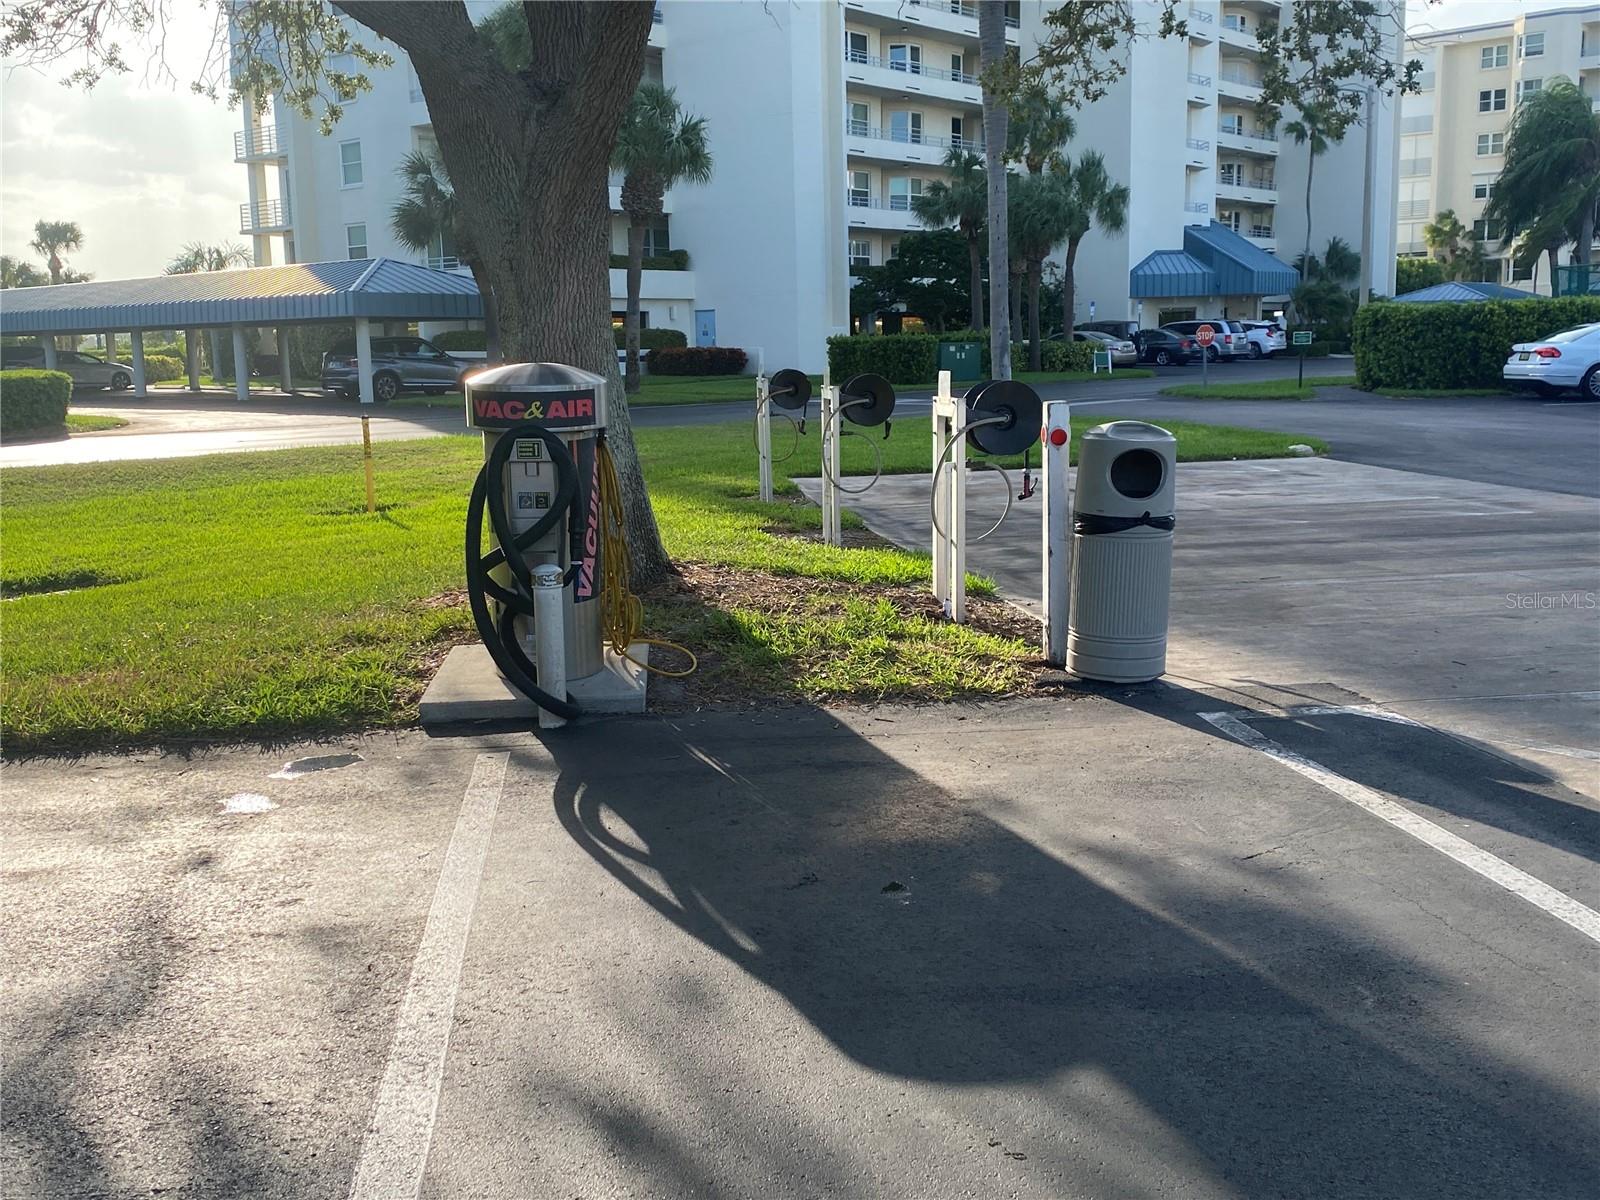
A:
927,941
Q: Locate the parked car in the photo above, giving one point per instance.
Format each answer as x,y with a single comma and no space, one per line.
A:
1569,359
1162,346
86,370
1120,329
1123,352
1266,338
399,364
1229,342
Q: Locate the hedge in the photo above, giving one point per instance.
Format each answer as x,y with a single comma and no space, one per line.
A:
461,339
654,339
672,260
160,368
898,357
31,400
697,360
1461,345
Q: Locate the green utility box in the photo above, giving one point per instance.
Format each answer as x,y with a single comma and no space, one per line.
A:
964,360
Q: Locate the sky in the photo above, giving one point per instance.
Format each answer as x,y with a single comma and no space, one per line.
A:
144,166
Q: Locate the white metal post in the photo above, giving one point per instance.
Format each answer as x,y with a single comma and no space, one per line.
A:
764,435
137,337
364,359
1057,548
285,371
956,520
832,528
550,638
191,352
241,365
50,360
943,422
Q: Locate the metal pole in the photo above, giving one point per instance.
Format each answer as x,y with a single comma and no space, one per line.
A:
366,455
550,641
241,365
764,437
956,521
137,345
832,534
943,404
1057,549
1366,206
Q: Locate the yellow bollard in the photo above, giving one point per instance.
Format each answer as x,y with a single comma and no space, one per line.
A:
366,454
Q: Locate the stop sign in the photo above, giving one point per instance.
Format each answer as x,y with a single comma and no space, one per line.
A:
1205,335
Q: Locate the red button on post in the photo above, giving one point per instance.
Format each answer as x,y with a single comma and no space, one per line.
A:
1058,437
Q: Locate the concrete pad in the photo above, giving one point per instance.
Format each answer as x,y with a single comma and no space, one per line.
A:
469,687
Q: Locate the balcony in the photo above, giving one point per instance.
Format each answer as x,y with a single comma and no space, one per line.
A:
443,262
1235,83
1197,153
655,285
256,143
1255,140
1202,25
264,216
1199,207
863,211
1256,190
901,78
869,141
1200,89
1239,34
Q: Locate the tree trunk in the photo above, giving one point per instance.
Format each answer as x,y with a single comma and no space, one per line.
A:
546,249
1035,351
996,122
1014,296
1069,291
1553,254
491,326
1585,238
975,259
1311,166
630,322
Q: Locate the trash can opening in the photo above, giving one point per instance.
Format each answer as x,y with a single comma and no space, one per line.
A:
1137,474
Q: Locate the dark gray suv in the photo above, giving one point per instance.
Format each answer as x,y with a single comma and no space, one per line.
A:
399,364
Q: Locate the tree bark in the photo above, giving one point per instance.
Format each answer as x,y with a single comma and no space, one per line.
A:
1311,166
1069,291
1014,296
528,153
630,322
1553,253
1585,238
996,123
975,259
491,326
1035,351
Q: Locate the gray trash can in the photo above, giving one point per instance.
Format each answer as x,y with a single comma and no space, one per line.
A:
1122,521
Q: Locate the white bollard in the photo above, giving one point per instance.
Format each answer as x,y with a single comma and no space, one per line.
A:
1057,547
550,638
832,528
764,436
950,503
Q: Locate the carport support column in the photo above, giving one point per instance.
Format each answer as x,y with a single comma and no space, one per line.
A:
241,365
137,337
191,353
285,372
364,359
49,343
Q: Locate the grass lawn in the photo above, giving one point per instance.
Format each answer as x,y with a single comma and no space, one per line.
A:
1258,389
92,422
206,381
1439,393
251,594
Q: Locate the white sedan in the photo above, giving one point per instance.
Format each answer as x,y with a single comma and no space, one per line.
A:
1569,359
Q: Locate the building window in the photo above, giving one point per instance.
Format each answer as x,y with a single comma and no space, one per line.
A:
894,249
355,240
1528,87
350,163
1530,45
903,192
858,119
860,254
1485,231
1494,56
905,127
855,47
860,189
1522,272
1491,143
657,240
905,57
1482,189
1492,100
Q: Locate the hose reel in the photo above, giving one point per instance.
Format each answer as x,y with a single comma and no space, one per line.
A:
1018,409
789,388
866,400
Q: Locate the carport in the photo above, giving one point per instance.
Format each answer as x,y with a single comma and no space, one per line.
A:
359,290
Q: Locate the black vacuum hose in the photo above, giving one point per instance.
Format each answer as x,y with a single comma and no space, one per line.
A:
501,639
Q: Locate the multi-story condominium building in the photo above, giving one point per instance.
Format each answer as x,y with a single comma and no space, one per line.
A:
827,118
1453,135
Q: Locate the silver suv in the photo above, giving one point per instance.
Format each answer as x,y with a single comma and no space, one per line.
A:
1230,341
399,364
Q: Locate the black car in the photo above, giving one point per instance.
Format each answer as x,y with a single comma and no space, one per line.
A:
399,364
1117,329
1162,346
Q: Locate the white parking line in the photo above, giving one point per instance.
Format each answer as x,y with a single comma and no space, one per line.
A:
1558,904
394,1151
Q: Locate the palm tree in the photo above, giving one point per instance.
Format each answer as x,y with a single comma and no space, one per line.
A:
1039,221
658,146
19,273
1092,199
1310,129
1444,236
426,214
1551,178
198,256
51,238
961,200
1040,125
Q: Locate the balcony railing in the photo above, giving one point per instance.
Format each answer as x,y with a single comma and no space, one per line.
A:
1199,80
1237,179
1202,16
1236,76
910,68
955,6
1239,131
262,215
655,16
856,199
1260,231
1197,206
256,140
446,262
911,137
1197,143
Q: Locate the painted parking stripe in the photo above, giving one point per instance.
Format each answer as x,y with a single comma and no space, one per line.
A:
1558,904
395,1148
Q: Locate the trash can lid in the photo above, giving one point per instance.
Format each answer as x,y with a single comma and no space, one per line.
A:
1129,431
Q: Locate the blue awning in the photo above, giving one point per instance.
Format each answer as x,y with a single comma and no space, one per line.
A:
1445,292
379,288
1242,268
1171,273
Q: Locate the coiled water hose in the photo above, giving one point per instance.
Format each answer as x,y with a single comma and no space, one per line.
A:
501,639
797,430
877,455
938,474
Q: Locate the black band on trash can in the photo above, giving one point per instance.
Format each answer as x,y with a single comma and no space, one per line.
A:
1092,523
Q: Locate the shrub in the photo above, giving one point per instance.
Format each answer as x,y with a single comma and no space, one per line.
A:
461,339
1055,356
160,368
672,260
31,401
654,339
1455,345
697,360
898,357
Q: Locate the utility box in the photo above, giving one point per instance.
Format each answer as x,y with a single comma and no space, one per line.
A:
964,360
1124,512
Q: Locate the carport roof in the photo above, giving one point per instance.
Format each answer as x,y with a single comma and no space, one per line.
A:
1462,291
378,288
